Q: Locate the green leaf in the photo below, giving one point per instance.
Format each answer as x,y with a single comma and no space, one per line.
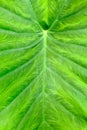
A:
43,64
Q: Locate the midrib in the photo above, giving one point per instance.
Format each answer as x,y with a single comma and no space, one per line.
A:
44,71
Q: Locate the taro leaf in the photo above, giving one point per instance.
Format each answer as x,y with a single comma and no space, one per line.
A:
43,64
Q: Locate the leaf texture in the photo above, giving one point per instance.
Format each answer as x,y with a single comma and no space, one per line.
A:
43,64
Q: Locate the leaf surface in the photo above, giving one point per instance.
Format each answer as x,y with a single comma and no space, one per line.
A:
43,64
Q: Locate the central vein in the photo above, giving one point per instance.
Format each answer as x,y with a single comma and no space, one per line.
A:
44,47
44,70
